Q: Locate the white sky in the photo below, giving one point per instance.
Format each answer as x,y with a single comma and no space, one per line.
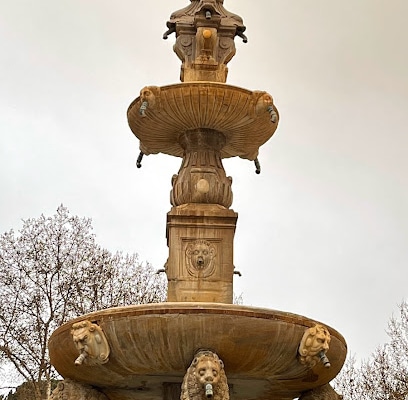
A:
322,232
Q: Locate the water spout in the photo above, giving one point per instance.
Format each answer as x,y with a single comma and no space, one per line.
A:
273,114
209,393
257,166
81,358
143,108
139,160
324,360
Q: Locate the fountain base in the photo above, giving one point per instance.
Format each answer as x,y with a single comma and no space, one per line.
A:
152,345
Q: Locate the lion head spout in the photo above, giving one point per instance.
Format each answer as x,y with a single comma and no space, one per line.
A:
205,378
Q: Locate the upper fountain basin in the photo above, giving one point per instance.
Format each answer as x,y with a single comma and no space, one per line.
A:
161,114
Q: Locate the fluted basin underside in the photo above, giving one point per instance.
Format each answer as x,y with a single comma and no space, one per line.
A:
242,116
152,345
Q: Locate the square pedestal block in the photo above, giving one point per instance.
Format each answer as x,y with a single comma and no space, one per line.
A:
200,266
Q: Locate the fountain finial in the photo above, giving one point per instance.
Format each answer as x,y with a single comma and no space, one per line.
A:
205,33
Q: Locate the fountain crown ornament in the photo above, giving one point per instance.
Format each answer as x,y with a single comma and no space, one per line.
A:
205,33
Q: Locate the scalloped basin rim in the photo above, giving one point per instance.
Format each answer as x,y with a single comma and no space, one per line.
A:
241,115
202,308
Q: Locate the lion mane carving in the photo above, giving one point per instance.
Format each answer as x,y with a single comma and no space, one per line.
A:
205,368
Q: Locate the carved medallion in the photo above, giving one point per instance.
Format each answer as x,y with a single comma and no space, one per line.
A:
200,256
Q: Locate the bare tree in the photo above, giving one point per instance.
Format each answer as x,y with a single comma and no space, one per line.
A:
384,376
52,271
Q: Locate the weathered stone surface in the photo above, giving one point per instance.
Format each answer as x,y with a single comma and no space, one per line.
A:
205,33
325,392
200,264
242,116
201,178
153,344
70,390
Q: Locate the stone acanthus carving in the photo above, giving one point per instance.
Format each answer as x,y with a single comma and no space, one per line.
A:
70,390
200,258
205,33
325,392
91,343
314,345
205,378
201,177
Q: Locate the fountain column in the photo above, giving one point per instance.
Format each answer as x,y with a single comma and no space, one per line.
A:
200,225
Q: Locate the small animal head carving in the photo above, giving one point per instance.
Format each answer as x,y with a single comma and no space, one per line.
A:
262,102
200,255
206,368
91,343
315,340
151,94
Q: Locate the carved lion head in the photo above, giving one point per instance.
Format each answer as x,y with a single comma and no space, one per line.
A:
205,368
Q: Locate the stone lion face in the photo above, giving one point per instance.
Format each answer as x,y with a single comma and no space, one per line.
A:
208,371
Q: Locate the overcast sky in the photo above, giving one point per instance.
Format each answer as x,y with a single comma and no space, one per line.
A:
322,232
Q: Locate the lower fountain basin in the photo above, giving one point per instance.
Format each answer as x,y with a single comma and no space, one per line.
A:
151,346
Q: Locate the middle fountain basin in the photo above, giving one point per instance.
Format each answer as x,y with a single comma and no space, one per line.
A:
152,345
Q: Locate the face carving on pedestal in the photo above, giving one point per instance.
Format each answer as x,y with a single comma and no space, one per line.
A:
200,256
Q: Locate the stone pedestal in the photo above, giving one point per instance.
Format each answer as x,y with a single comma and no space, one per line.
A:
200,266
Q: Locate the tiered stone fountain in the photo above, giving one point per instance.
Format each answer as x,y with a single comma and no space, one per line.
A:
173,349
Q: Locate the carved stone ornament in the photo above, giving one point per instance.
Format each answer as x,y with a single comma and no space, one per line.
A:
325,392
241,120
314,345
201,177
205,33
205,378
70,390
91,343
200,258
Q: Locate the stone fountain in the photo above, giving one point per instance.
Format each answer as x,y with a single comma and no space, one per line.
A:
198,345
